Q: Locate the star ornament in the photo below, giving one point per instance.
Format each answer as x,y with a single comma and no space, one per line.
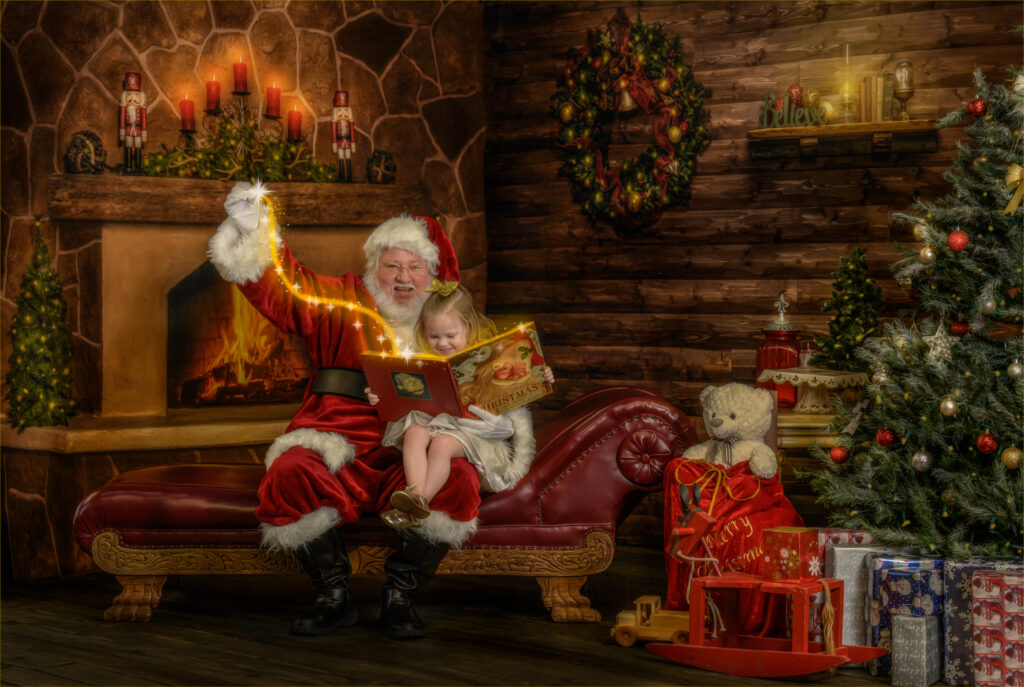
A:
940,344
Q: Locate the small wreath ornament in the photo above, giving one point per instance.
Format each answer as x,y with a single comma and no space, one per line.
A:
621,71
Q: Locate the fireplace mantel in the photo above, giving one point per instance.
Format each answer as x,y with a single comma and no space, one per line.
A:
158,200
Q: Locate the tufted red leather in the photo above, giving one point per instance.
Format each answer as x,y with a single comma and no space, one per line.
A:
594,460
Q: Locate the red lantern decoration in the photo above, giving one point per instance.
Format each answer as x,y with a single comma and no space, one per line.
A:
839,454
885,436
781,349
960,328
796,95
957,241
977,107
987,443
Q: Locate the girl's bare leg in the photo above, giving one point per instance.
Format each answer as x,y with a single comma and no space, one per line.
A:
442,449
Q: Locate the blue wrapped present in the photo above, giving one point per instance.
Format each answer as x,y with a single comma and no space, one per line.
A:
958,665
898,585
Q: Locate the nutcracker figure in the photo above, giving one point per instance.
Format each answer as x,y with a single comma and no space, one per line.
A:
132,122
343,142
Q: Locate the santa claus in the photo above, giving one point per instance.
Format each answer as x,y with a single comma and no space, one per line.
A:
328,468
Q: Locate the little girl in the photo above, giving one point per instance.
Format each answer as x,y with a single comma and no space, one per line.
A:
500,447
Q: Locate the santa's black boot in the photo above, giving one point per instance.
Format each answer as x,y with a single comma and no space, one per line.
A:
325,560
406,570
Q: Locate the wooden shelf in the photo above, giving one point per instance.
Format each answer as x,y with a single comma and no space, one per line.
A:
869,138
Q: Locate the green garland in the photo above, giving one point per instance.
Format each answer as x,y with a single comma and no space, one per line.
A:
238,149
629,67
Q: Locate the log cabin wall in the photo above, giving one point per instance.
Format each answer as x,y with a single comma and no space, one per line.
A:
682,306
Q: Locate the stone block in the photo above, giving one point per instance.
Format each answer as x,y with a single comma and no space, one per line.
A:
274,52
18,19
469,238
41,166
174,74
29,536
401,87
233,15
454,121
78,29
414,12
471,174
14,192
459,48
372,40
109,66
326,16
318,71
442,187
191,20
15,111
407,139
420,49
145,25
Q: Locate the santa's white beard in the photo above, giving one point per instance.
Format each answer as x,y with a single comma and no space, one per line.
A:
401,317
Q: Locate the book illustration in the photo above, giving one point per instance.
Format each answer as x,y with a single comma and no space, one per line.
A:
497,375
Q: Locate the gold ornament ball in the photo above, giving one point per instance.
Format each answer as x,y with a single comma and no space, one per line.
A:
927,255
566,112
948,407
830,111
947,497
988,306
919,231
812,98
675,134
921,461
1015,370
1011,458
634,202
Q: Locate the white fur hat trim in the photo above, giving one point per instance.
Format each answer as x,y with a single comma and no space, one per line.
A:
407,233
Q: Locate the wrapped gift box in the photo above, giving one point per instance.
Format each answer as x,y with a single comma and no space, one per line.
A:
898,585
847,562
997,615
815,613
916,651
838,536
791,553
958,628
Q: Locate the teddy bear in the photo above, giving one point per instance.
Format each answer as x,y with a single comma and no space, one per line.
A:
737,418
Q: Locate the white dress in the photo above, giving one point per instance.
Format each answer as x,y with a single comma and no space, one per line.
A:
501,463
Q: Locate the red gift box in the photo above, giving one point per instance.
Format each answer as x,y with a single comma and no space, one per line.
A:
996,599
791,553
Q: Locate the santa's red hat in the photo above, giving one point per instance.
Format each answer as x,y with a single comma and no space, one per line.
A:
420,235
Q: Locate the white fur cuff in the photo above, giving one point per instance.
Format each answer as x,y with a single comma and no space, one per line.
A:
333,448
302,531
439,527
239,257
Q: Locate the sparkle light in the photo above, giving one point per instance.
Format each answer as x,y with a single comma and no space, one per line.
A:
261,194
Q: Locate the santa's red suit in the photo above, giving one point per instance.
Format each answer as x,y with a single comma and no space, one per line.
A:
328,468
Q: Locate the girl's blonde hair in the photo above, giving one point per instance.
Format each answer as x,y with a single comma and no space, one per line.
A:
459,303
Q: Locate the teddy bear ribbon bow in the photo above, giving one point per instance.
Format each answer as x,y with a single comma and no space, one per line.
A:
725,446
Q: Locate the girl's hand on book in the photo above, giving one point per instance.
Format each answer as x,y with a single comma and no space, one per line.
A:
373,398
549,376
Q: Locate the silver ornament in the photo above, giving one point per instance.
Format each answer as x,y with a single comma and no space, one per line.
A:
988,306
1015,370
927,255
948,407
921,461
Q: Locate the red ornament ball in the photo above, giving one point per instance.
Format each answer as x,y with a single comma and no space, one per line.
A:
958,240
977,107
987,443
885,436
960,328
839,454
778,104
796,95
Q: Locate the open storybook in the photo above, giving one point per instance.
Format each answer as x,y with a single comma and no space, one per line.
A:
498,374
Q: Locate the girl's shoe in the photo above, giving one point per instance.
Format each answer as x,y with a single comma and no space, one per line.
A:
409,501
399,520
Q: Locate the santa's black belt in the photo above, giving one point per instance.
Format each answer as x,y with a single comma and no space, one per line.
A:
341,381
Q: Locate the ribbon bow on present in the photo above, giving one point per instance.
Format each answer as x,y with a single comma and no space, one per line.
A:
1015,182
444,288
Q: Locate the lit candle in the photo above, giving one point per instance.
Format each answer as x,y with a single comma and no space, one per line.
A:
847,54
294,124
273,101
188,114
241,76
212,95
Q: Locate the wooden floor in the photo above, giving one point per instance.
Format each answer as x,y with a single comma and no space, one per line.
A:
233,631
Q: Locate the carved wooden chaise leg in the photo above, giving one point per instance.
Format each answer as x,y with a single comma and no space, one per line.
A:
139,596
562,596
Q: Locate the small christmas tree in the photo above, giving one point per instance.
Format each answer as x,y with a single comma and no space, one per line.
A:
856,300
39,380
931,456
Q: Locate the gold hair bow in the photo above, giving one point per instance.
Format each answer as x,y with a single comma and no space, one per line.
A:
445,288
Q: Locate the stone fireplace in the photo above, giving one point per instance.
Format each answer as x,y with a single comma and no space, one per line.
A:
161,321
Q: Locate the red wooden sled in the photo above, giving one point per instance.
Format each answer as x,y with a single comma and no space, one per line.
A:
752,656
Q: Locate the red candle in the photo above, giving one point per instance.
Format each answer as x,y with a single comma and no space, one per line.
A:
212,94
241,76
294,124
273,101
188,114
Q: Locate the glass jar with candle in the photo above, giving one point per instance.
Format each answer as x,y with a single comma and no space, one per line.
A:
903,86
781,349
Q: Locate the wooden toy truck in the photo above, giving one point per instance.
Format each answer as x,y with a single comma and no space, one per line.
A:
649,623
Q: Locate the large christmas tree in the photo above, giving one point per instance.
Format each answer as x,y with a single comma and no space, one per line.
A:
39,380
930,456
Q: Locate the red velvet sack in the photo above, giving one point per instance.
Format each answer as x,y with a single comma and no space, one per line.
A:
742,505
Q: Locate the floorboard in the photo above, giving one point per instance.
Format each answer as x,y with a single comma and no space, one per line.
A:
232,630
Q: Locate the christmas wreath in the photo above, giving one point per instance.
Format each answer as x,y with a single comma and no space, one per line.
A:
620,71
